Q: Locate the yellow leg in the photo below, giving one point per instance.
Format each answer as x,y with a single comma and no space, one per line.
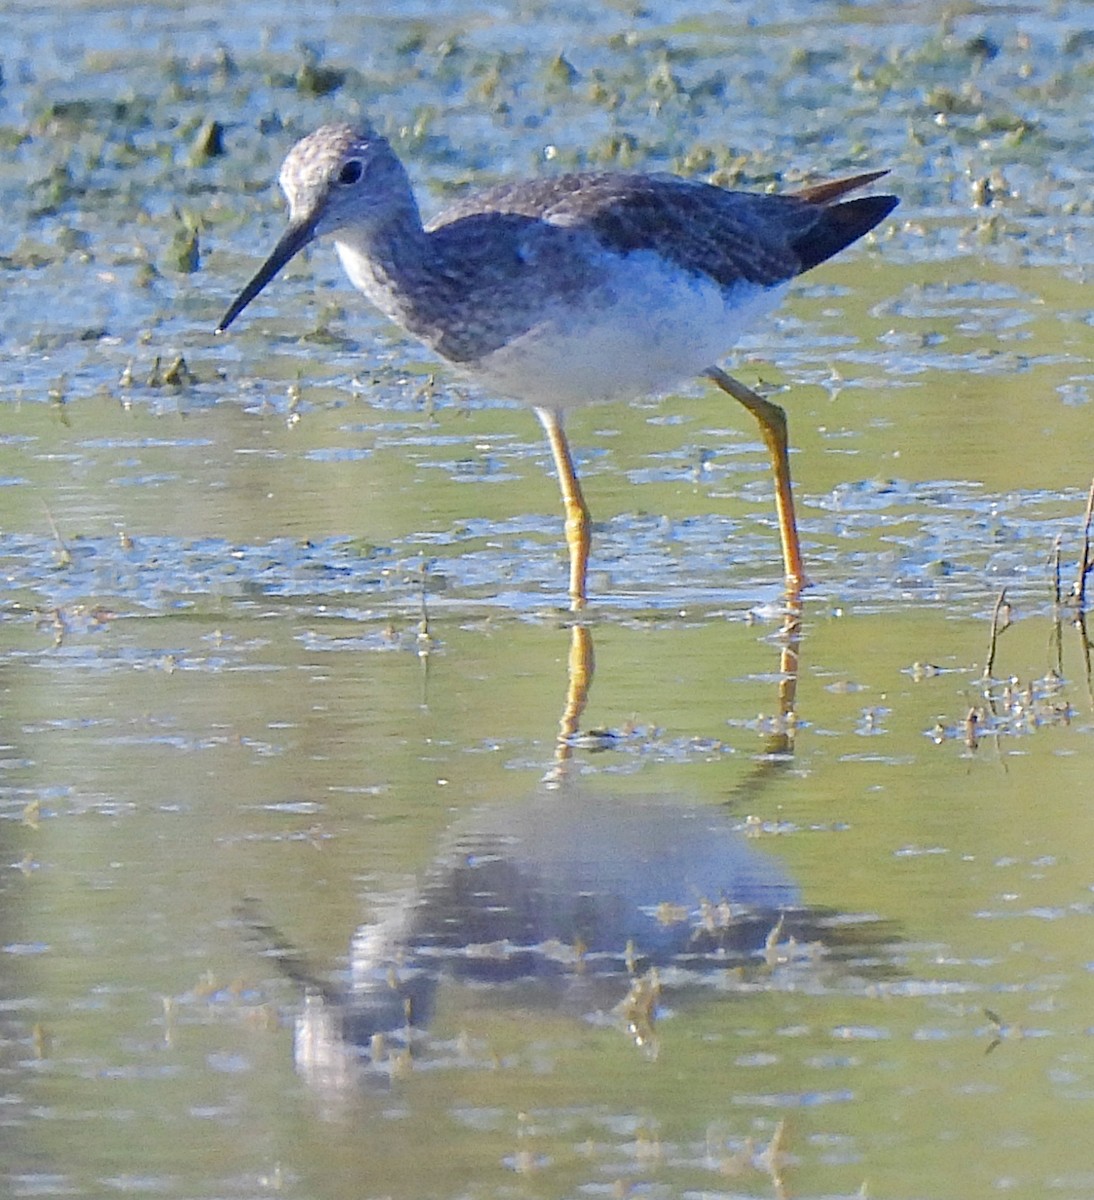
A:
578,535
772,421
579,678
781,740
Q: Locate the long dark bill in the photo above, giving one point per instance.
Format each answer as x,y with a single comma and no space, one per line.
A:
292,241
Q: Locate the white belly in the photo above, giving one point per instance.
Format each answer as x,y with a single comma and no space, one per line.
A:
658,329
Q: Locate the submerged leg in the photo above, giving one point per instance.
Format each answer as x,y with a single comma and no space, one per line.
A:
578,536
772,421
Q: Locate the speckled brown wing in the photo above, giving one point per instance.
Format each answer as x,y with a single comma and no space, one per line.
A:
728,236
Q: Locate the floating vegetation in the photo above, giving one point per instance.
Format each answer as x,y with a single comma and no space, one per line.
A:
1013,705
207,143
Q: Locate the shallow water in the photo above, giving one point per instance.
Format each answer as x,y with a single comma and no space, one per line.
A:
301,894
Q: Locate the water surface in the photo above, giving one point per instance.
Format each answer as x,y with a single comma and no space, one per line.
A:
301,895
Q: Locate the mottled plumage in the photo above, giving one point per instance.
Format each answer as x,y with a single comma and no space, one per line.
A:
564,290
732,237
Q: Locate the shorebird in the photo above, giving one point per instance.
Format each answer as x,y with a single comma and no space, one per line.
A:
562,291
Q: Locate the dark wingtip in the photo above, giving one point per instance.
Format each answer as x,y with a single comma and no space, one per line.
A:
839,225
833,189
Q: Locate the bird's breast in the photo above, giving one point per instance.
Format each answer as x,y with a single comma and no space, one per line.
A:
567,325
645,328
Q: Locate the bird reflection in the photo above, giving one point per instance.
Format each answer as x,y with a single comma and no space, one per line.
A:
580,667
581,901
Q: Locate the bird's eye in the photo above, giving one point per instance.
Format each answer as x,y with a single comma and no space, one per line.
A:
351,171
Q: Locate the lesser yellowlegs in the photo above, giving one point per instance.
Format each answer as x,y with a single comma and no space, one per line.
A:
561,291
